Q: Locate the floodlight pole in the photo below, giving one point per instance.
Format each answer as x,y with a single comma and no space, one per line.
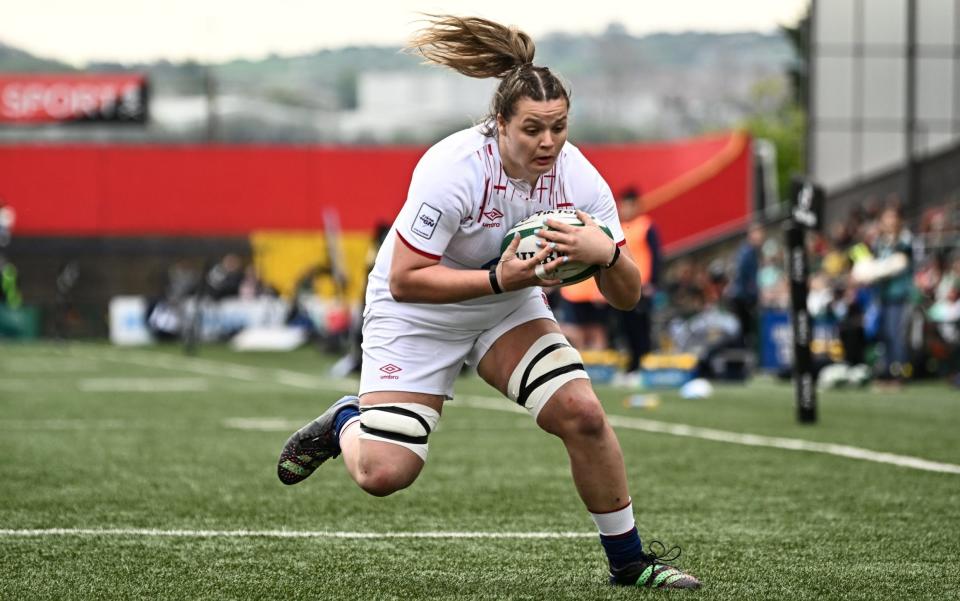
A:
910,190
806,199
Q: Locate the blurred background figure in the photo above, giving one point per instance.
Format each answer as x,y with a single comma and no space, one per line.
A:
251,286
944,314
634,328
66,315
9,293
773,287
744,294
584,320
224,279
892,279
167,315
7,218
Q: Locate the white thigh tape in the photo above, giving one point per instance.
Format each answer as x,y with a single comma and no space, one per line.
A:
404,424
548,364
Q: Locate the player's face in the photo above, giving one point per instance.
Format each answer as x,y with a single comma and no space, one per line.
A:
531,141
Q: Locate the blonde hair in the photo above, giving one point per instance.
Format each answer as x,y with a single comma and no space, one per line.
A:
481,48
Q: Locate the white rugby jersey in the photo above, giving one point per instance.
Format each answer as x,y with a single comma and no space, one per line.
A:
460,204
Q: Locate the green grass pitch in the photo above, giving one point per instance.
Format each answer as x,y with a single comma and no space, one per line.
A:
151,462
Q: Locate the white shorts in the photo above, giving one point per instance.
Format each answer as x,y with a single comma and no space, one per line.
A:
411,356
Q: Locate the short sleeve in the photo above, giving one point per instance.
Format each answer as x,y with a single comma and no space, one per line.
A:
439,197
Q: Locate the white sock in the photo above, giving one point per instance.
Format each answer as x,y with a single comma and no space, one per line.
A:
615,522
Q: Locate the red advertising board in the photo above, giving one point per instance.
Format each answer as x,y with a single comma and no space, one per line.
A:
72,97
693,189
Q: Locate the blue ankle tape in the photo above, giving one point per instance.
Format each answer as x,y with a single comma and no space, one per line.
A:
342,417
622,549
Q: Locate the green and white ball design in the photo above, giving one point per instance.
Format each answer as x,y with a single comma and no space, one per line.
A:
569,273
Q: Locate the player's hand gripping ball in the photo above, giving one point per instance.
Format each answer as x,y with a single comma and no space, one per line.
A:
568,273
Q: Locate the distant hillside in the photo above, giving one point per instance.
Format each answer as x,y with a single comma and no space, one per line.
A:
576,55
16,60
568,54
626,87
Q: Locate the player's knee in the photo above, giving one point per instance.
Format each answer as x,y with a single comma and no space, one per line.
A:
589,418
382,479
574,415
382,470
586,417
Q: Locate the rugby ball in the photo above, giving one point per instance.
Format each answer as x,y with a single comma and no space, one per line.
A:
572,272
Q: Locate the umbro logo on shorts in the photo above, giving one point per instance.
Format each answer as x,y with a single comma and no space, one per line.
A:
389,372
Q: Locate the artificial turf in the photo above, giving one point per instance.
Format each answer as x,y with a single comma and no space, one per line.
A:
93,437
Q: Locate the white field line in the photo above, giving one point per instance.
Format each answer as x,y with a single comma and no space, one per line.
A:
108,384
143,385
49,364
222,369
64,424
17,385
789,444
32,386
262,424
753,440
48,532
209,367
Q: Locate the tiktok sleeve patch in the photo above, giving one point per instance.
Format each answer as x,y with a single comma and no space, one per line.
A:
426,221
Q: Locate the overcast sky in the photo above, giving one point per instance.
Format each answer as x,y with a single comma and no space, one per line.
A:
216,30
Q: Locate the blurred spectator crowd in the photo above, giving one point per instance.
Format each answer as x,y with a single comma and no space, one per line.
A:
221,299
884,296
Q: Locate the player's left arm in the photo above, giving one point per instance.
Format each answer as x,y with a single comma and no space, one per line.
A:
620,284
618,279
619,276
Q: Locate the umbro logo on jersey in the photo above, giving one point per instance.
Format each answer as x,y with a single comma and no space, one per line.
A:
492,215
389,372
